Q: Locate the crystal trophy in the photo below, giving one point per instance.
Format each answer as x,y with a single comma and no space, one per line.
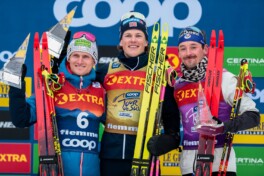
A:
11,72
204,115
57,34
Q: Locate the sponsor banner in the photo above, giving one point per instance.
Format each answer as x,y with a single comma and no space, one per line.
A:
169,163
102,18
8,131
249,160
254,56
15,158
251,136
173,58
4,89
258,95
107,54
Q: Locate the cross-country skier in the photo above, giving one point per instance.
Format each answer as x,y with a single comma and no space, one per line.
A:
79,106
123,80
193,49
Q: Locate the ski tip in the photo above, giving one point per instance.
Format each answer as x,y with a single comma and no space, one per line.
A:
213,34
156,27
36,40
221,35
165,27
44,41
213,38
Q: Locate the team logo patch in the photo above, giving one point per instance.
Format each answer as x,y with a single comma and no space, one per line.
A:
116,65
96,85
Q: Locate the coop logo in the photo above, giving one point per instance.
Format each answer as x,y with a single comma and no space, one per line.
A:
118,8
258,95
5,55
79,143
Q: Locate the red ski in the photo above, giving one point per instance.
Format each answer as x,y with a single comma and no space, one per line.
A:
50,162
212,90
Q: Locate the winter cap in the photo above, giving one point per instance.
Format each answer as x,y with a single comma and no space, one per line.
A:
191,34
133,20
84,42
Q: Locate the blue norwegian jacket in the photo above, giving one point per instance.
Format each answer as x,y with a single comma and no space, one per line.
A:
79,107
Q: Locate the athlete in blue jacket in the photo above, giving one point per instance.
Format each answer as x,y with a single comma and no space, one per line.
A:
79,106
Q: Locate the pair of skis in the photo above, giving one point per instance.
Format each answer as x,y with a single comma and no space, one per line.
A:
45,55
212,91
50,162
150,101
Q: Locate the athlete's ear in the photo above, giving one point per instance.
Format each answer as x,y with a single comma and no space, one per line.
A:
205,49
146,43
120,43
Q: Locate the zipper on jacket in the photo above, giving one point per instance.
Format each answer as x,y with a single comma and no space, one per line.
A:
124,147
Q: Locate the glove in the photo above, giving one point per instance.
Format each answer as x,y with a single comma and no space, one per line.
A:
24,72
212,130
17,102
161,144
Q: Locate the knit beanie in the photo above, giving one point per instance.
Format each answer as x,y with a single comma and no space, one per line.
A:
83,42
133,20
191,34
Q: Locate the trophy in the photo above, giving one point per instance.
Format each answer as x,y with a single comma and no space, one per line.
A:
204,115
57,34
11,72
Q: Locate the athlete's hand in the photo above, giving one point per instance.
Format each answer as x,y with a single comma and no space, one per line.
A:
161,144
212,130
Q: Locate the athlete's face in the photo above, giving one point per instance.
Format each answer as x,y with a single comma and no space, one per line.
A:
81,63
191,53
133,42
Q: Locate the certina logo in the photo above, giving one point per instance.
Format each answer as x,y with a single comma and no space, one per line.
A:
250,60
118,8
62,98
253,161
5,55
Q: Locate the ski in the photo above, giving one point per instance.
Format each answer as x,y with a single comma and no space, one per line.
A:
149,114
212,90
155,162
50,162
153,115
137,160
